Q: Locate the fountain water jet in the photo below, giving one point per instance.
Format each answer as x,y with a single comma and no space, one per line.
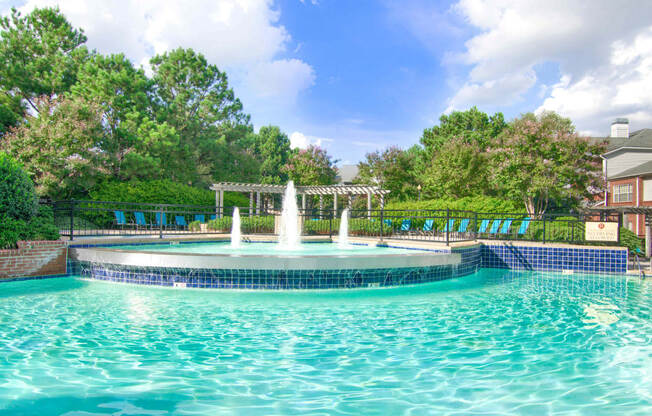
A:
288,237
236,235
343,240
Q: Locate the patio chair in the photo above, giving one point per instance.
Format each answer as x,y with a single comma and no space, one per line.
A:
464,224
212,217
201,218
483,226
449,227
505,228
406,226
180,221
524,226
427,226
140,220
120,218
494,227
161,220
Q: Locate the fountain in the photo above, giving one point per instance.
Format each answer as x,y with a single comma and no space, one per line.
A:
343,240
288,237
236,235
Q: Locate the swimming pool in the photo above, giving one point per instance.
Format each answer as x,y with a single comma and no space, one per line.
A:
495,342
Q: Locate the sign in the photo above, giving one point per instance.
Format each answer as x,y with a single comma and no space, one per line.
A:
601,231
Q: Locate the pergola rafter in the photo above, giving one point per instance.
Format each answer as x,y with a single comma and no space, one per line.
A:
320,190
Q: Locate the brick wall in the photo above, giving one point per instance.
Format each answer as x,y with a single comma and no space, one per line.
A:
34,258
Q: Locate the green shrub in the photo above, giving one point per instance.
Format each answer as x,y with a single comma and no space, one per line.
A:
472,203
257,224
194,226
163,192
39,227
630,240
220,224
17,195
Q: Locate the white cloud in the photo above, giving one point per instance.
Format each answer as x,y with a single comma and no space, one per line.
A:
243,37
301,141
600,47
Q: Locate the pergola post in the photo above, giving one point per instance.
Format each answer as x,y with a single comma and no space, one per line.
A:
251,204
217,202
221,203
335,205
303,203
321,206
258,203
350,205
369,205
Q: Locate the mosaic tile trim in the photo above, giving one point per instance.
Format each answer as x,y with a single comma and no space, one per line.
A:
587,260
267,279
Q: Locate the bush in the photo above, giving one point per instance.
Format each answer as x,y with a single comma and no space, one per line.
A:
17,195
220,224
194,226
39,227
162,192
483,204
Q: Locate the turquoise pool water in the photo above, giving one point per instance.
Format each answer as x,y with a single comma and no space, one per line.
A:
493,343
306,249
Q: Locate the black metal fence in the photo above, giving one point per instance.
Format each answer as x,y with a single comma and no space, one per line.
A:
102,218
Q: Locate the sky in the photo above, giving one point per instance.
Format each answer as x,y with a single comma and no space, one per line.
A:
354,76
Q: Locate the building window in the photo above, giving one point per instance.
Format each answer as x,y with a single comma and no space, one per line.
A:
622,193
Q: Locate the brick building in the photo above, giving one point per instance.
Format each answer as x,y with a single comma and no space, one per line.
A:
627,168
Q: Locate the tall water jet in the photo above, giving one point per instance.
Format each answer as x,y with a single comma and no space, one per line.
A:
288,237
236,234
343,240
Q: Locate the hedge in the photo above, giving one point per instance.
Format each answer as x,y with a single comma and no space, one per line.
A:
39,227
17,195
258,224
162,192
471,203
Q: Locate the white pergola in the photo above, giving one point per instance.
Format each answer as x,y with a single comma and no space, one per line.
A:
321,190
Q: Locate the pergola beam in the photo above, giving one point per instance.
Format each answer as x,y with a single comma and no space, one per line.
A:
306,190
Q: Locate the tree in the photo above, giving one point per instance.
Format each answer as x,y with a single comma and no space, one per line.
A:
194,98
459,170
121,91
311,166
39,54
471,126
392,169
273,148
60,147
541,158
11,112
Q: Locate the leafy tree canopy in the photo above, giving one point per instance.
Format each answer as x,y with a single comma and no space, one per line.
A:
39,54
311,166
540,158
472,126
392,169
273,148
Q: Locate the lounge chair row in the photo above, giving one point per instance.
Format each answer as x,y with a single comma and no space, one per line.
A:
161,220
496,228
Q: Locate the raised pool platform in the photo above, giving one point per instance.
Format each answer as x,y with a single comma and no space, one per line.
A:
173,265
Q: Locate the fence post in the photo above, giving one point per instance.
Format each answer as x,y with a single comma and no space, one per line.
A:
382,222
544,228
475,227
160,222
448,231
72,218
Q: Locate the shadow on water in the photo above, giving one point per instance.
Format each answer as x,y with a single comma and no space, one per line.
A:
102,405
40,286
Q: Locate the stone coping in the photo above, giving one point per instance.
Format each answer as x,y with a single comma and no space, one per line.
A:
409,259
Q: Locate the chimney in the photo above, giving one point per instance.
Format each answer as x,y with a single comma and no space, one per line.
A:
620,128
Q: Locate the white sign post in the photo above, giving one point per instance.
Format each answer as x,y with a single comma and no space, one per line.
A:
601,231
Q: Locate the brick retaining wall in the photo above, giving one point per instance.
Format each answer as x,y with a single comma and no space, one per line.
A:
34,258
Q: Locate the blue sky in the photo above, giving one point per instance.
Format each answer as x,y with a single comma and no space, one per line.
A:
356,76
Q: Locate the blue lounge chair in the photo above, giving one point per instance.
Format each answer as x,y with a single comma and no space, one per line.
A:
450,225
494,227
505,228
160,220
406,225
483,226
388,222
464,224
212,217
200,217
140,219
120,218
427,226
524,225
180,221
